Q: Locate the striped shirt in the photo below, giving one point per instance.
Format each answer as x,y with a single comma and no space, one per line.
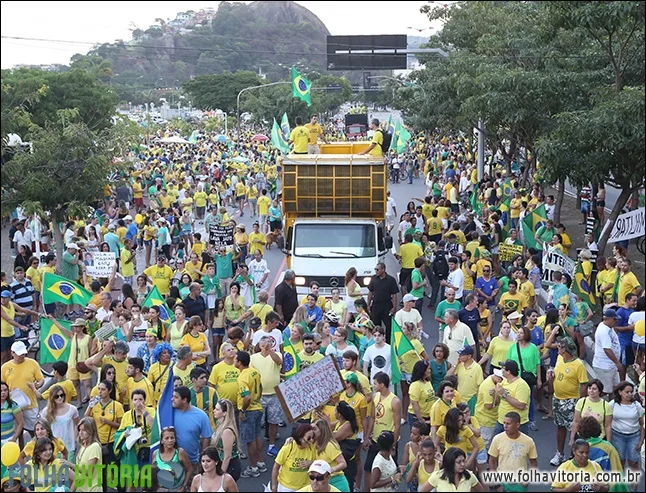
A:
8,420
23,293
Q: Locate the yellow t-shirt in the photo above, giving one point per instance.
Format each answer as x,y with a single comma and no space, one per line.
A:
200,198
469,379
309,488
377,140
439,410
59,446
187,204
427,211
68,388
408,253
384,415
127,269
486,417
410,358
330,454
527,289
515,204
464,438
35,276
607,277
598,410
314,132
48,476
300,136
264,203
249,383
143,384
519,390
161,277
7,328
627,284
137,190
257,241
185,375
241,189
592,468
422,392
445,485
568,377
513,454
224,378
511,303
197,248
269,372
357,402
498,350
196,343
158,378
252,192
120,367
112,411
291,475
17,376
434,226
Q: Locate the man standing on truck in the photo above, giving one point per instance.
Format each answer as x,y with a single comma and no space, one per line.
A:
300,137
376,144
315,131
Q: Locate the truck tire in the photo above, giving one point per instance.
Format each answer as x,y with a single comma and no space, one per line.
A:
280,241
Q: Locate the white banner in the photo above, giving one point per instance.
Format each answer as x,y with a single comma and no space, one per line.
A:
556,261
628,225
99,264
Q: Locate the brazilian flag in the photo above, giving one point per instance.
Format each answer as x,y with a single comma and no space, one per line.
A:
54,343
155,298
530,224
582,287
291,360
301,87
62,290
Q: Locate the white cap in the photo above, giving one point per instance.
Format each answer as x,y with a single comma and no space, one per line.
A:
73,245
19,348
409,297
321,467
497,372
514,316
128,218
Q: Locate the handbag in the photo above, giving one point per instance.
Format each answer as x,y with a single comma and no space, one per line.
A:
528,376
80,367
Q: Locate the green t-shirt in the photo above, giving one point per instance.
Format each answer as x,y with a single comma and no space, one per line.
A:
505,285
416,276
443,307
545,235
69,270
582,312
531,357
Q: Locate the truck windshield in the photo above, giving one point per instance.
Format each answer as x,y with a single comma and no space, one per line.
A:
335,240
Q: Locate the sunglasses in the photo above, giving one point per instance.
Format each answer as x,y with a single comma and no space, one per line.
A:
316,477
59,396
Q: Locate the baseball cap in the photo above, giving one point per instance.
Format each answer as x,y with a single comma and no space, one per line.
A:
510,365
255,322
5,294
72,245
514,316
409,297
79,322
92,307
321,467
610,313
465,351
112,227
352,378
128,218
497,372
568,344
19,348
550,306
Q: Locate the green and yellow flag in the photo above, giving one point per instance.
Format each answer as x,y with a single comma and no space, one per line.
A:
400,138
291,361
582,287
301,87
533,220
54,344
155,298
277,139
62,290
400,346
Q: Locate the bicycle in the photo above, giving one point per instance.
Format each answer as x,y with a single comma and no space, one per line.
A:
31,338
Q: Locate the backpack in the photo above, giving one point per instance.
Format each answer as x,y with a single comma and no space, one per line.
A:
385,145
440,266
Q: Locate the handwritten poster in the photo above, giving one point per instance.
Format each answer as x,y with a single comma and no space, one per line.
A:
310,388
627,226
99,264
221,236
508,252
556,261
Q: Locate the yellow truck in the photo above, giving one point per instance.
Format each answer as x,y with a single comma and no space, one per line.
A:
334,205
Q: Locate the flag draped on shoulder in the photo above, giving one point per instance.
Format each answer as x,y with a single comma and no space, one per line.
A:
301,87
400,346
400,138
165,416
277,139
62,290
533,220
54,343
155,298
582,287
291,361
476,206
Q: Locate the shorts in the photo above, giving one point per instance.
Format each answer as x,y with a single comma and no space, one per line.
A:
148,243
495,250
313,149
274,225
482,457
601,203
585,207
564,412
609,378
626,445
487,434
271,405
217,331
240,197
252,427
262,219
404,276
73,374
29,418
6,342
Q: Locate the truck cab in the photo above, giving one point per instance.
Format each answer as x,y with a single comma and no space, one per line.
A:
334,205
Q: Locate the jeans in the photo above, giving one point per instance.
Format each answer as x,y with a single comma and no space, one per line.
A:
410,176
626,445
531,403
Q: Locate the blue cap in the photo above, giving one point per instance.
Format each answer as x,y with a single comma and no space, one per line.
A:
610,313
465,350
5,294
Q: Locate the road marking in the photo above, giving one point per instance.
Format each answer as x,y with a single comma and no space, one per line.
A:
280,269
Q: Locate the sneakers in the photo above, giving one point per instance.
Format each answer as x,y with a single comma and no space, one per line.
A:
262,467
403,422
532,426
251,472
272,450
558,459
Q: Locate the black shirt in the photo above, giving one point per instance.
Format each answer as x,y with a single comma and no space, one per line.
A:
194,307
383,289
286,297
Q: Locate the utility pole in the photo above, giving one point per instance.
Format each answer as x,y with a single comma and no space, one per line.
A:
481,149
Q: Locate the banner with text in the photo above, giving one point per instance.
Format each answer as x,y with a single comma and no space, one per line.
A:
99,264
628,225
556,261
508,252
221,236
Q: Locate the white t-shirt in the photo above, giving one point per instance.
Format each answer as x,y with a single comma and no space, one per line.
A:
25,238
379,358
275,334
257,270
390,206
401,317
63,426
605,338
625,418
403,226
456,278
634,317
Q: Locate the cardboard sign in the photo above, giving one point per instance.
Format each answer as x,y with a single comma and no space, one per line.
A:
99,264
508,252
221,236
310,388
627,226
106,331
556,261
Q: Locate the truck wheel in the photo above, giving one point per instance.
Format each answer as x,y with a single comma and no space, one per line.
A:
280,241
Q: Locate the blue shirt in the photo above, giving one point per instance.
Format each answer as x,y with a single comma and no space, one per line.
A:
487,287
625,338
131,233
537,336
316,311
113,241
190,427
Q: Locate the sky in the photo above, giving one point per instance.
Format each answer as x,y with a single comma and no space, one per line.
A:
73,27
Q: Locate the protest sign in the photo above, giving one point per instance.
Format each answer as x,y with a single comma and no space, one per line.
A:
99,264
508,252
556,261
221,235
310,388
629,225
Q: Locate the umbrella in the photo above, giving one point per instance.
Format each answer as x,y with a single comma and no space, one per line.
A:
260,137
240,159
221,138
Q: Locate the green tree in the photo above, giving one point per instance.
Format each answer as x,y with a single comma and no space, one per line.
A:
210,92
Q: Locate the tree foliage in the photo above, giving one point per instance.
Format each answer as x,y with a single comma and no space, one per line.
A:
210,92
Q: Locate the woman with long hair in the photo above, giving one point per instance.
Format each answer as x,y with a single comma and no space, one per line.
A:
427,461
293,461
159,326
12,419
226,438
62,417
439,365
419,431
453,475
142,290
454,433
212,478
352,288
579,467
109,373
195,338
93,240
128,295
89,453
170,453
22,258
234,305
421,393
322,329
593,405
385,475
176,329
218,327
329,450
46,466
345,431
627,425
340,345
498,347
42,429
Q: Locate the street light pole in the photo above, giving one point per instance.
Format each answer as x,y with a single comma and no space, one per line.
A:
250,88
